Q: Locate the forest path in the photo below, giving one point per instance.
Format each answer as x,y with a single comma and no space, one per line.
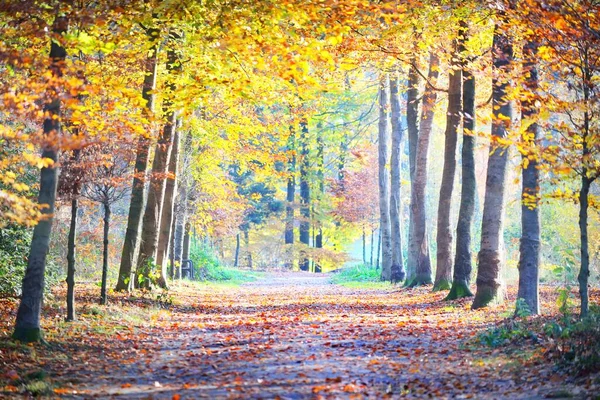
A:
295,335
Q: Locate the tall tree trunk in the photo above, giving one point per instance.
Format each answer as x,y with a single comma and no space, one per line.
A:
372,246
290,199
27,324
156,190
304,195
419,245
378,249
236,260
586,181
166,219
584,272
443,274
321,180
185,255
491,259
105,253
72,242
384,183
463,257
182,209
71,255
131,243
247,247
412,122
364,246
397,270
529,260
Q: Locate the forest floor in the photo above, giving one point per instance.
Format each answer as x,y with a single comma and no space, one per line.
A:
288,336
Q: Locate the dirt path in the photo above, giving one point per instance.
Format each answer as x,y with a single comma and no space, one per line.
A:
296,336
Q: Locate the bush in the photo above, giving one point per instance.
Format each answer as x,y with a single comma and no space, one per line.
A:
14,249
358,273
576,344
207,266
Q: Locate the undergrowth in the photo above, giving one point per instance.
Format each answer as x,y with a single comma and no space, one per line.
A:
358,276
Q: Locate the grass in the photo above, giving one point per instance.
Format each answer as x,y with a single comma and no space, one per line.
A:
360,277
231,276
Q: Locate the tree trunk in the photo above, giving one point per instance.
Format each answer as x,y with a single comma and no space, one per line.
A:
584,272
372,246
364,245
529,260
290,199
156,190
412,122
397,270
304,195
172,246
131,243
384,183
247,246
419,246
185,255
443,273
105,253
463,258
71,254
180,227
27,324
321,192
236,260
166,219
378,249
490,258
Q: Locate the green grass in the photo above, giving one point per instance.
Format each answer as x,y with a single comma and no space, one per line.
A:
360,276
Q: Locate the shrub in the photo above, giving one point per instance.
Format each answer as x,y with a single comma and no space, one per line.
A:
358,273
14,248
576,344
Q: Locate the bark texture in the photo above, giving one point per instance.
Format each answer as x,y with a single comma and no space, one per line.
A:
384,183
529,258
131,243
27,324
397,269
166,219
412,122
587,177
419,245
156,189
290,199
463,264
304,195
443,272
105,242
71,257
491,257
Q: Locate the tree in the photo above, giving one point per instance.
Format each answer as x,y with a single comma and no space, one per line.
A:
167,217
397,273
529,259
27,324
491,258
156,189
412,122
384,182
443,275
304,194
419,246
138,199
290,199
106,186
463,258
